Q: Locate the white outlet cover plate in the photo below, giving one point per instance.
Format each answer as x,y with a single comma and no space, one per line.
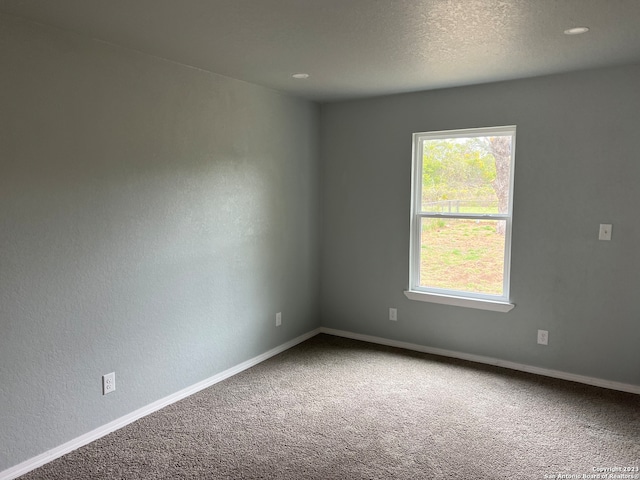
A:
108,383
543,337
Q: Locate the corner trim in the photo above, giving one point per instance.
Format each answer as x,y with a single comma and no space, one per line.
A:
572,377
82,440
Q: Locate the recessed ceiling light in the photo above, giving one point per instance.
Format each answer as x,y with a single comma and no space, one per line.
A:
300,76
576,30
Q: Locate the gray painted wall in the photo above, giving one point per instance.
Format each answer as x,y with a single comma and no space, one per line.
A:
153,219
577,165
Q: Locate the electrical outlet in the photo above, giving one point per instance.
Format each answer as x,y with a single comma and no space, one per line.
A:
393,314
278,319
108,383
543,337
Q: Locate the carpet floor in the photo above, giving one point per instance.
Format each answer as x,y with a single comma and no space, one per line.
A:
333,408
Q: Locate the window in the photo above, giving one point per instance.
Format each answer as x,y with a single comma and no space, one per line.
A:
462,202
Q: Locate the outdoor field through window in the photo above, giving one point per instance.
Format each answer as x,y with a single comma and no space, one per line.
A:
462,203
462,254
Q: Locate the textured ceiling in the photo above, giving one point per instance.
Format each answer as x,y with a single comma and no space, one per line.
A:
356,48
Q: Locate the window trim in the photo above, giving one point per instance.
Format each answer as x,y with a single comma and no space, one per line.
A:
499,303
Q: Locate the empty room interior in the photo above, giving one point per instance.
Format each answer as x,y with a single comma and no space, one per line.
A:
319,239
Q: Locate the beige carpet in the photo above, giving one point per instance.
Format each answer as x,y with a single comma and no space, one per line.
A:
333,408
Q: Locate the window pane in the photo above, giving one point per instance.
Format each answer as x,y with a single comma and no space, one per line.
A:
462,254
466,175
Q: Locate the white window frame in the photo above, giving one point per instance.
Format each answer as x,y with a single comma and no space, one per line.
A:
500,303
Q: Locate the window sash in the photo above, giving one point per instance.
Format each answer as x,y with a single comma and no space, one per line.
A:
417,214
415,264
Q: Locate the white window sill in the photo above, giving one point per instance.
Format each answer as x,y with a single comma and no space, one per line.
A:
478,303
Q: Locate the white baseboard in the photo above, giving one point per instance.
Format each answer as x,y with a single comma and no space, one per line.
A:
99,432
597,382
46,457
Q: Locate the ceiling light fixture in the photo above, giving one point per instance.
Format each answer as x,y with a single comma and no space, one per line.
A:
576,30
300,76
